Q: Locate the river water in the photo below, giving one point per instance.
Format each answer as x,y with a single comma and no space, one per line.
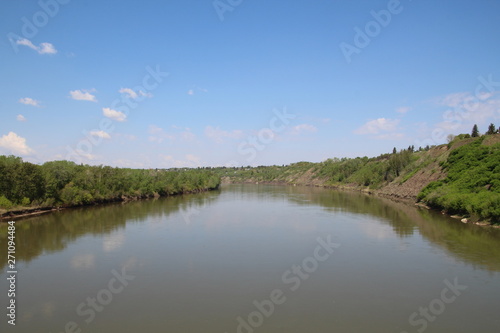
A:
253,258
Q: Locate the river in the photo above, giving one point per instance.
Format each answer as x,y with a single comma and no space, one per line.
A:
253,258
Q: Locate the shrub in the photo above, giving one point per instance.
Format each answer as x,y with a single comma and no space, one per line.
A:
5,203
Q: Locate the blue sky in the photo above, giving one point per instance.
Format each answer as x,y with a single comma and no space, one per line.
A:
239,82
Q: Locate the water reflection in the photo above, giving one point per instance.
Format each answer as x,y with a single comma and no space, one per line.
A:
53,232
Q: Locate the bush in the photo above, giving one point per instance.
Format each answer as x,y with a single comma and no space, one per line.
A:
5,203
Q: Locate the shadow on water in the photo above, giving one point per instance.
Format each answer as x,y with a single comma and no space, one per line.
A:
475,245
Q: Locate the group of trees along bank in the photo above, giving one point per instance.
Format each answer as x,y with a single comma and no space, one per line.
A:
67,183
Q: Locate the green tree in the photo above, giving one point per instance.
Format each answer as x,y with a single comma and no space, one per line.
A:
475,131
491,129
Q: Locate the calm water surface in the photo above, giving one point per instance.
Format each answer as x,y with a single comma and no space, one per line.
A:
254,258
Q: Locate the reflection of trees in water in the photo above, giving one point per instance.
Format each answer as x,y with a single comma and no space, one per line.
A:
473,244
52,232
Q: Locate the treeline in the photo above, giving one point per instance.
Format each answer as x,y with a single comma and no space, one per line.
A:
67,183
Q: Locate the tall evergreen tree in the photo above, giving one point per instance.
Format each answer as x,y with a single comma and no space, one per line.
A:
475,131
491,129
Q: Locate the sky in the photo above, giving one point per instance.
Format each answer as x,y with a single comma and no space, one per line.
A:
185,83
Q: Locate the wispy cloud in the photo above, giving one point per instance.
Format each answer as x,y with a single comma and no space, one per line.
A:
466,109
15,144
193,91
43,48
20,117
113,114
29,101
218,135
296,130
158,134
403,109
134,94
101,134
377,126
83,95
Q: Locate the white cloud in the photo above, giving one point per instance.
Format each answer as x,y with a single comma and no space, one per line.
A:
43,48
134,94
20,117
129,92
101,134
403,109
15,144
158,134
455,99
83,95
29,101
193,91
193,159
218,135
113,114
465,110
303,128
378,125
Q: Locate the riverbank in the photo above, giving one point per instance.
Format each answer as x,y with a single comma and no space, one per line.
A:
23,212
27,188
404,199
461,178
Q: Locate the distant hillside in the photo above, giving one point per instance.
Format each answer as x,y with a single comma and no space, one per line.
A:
462,177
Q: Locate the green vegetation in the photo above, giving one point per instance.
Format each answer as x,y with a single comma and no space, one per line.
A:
360,171
472,185
462,177
24,184
475,132
491,129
